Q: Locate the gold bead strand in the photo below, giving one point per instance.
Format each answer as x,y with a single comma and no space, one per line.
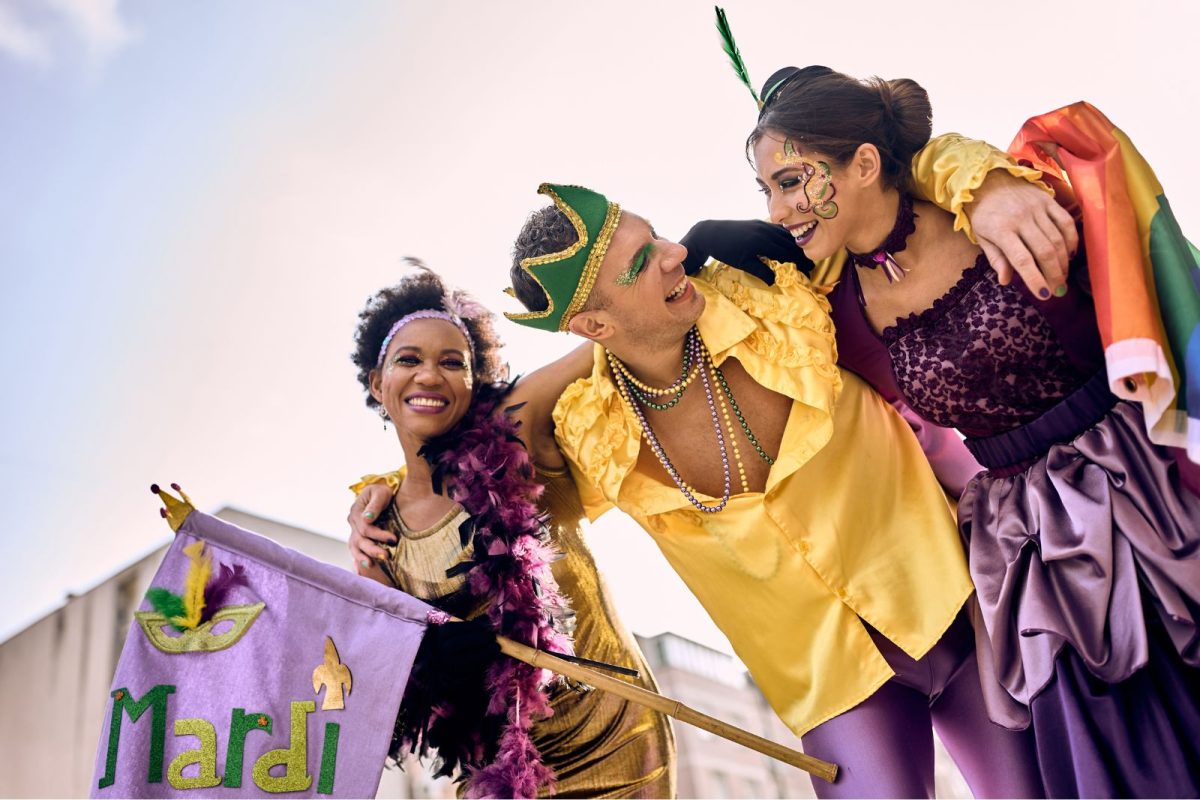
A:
724,408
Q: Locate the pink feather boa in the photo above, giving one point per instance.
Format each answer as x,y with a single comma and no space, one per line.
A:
490,474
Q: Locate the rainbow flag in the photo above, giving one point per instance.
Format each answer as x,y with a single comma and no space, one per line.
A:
1145,275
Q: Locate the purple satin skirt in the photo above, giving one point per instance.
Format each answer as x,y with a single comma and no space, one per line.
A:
1086,561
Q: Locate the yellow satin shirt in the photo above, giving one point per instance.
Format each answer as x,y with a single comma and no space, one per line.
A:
852,523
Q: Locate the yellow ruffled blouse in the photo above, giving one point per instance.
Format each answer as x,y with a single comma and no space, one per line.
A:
852,523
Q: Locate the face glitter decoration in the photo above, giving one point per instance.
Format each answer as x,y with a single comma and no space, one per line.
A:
815,179
427,380
428,313
630,275
450,362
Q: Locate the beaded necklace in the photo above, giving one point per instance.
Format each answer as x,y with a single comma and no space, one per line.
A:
750,437
644,393
696,360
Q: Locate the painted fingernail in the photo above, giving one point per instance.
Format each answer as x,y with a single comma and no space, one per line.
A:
162,512
1061,290
364,563
1043,293
369,514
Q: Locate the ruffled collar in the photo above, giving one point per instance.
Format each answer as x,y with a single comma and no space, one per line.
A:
724,325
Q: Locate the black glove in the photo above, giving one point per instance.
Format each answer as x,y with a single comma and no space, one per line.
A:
445,703
739,243
458,653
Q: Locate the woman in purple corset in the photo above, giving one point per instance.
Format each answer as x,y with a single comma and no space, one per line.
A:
1084,541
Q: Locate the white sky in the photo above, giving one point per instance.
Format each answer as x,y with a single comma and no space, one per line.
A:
195,201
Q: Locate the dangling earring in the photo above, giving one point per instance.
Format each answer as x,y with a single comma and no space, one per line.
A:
383,415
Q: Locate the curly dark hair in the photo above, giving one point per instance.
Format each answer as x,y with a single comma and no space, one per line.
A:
545,231
419,290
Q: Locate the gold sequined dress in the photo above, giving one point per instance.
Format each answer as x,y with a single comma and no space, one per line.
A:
597,744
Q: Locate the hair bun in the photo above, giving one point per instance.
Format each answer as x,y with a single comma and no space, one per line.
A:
907,116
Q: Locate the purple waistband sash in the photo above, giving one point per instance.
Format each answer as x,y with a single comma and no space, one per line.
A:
1073,415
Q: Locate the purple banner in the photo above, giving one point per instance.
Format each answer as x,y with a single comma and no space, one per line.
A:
289,684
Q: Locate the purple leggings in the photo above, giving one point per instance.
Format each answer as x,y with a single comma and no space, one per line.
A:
884,745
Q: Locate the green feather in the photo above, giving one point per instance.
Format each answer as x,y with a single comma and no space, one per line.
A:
167,603
735,56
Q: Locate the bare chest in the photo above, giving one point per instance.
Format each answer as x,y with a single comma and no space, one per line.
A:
687,434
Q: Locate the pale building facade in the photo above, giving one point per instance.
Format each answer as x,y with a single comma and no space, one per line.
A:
57,674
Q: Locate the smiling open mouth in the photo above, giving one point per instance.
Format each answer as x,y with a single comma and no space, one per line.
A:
803,233
427,402
678,291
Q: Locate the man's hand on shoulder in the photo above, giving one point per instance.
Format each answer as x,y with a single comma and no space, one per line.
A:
1023,230
366,540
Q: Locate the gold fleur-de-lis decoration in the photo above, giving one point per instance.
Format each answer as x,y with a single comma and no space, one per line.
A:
333,675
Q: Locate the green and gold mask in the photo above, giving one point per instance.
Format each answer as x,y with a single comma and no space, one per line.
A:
567,277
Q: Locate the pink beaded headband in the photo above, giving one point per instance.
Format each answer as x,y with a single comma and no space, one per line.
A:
427,313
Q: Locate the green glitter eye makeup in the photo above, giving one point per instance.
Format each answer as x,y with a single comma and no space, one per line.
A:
630,275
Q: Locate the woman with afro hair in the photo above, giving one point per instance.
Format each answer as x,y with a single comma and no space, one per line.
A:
482,532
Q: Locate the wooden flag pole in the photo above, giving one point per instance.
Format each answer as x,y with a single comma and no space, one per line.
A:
665,705
176,511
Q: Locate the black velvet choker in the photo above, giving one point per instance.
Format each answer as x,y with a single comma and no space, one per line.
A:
884,255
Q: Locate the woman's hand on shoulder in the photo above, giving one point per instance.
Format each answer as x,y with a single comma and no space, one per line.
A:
366,540
1023,230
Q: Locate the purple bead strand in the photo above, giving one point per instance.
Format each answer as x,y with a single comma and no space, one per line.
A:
694,348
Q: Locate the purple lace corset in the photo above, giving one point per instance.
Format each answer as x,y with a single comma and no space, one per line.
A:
983,358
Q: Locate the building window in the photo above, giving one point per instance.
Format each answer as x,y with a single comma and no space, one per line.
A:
125,602
722,783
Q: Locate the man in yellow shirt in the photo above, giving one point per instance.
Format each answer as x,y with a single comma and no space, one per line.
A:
793,501
833,566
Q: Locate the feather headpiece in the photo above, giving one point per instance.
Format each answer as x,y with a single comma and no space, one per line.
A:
735,55
778,79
